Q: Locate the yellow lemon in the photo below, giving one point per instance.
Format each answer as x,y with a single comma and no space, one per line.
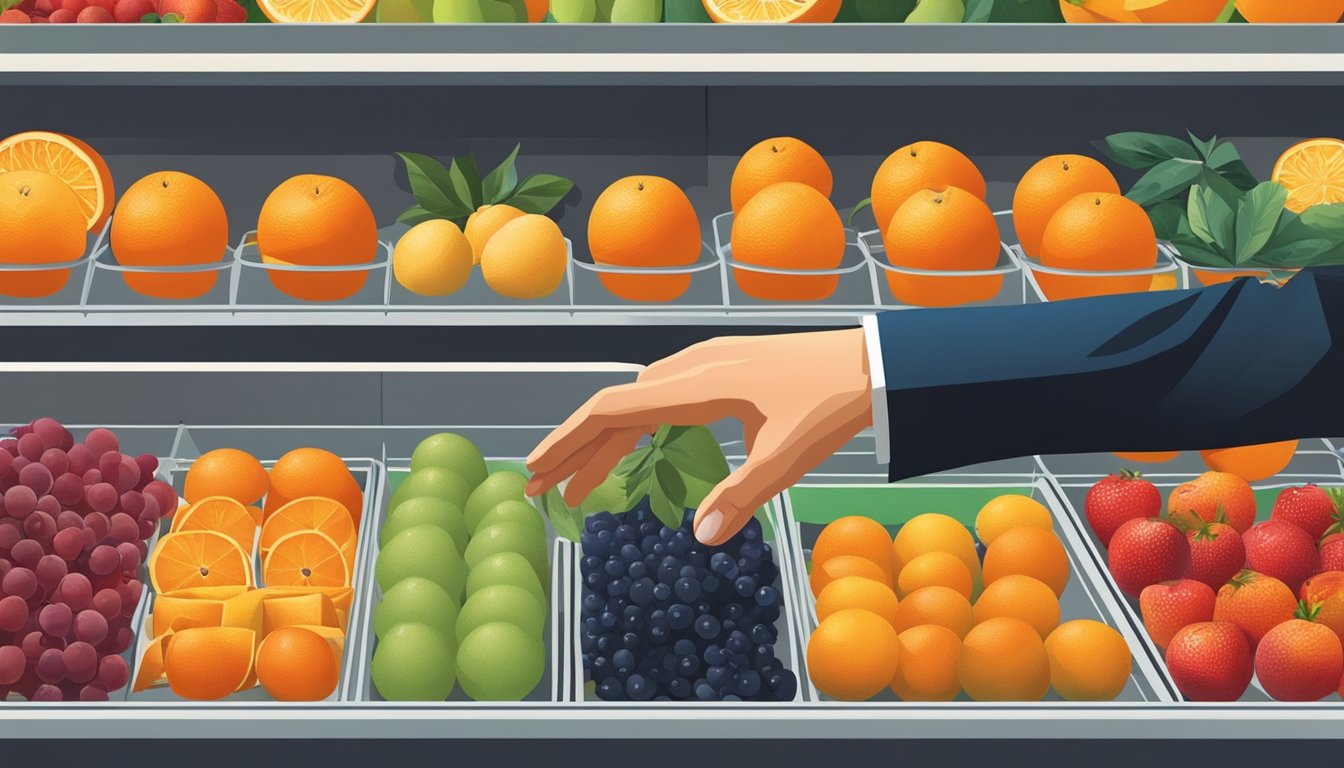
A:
526,258
432,259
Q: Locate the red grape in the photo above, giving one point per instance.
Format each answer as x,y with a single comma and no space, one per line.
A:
91,477
102,497
93,692
33,644
124,637
5,567
6,461
55,460
68,488
90,626
20,501
12,663
10,534
113,672
108,464
37,477
103,560
55,620
40,527
164,494
68,544
50,570
127,475
51,666
130,556
10,445
148,463
21,582
81,661
101,440
108,603
50,430
69,519
48,504
81,459
47,692
75,591
26,553
133,503
99,524
147,526
13,613
31,447
123,527
130,596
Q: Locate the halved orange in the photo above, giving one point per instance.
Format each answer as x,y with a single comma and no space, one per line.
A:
220,514
187,559
71,160
209,663
311,513
222,592
773,11
306,559
174,614
317,11
1313,172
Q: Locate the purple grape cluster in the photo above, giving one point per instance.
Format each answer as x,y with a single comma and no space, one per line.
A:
74,520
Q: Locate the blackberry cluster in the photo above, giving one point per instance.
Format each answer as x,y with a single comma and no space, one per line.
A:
666,618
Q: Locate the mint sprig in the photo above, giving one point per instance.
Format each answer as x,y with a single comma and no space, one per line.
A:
456,190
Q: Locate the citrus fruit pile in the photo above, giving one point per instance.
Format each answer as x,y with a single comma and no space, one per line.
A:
218,625
1228,598
457,531
74,518
927,617
521,255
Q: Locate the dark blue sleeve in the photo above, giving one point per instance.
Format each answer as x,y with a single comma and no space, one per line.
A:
1235,364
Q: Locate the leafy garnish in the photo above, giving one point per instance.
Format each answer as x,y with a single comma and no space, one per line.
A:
456,190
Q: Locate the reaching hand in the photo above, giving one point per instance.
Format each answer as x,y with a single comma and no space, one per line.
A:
800,397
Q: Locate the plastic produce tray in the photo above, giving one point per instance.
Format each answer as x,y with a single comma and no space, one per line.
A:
1168,263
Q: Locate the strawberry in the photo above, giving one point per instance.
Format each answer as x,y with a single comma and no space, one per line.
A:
1299,660
1254,602
1282,550
1171,606
1117,499
230,12
1210,661
1216,554
1310,507
1211,496
1332,552
1146,551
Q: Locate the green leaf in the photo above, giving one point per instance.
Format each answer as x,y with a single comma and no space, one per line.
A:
466,181
432,186
1166,217
1226,160
415,215
170,18
540,193
5,5
1164,181
1013,12
609,496
1220,217
1205,148
567,522
501,182
1296,244
1212,181
1257,217
695,452
865,203
636,489
1197,252
1327,219
669,480
1145,150
666,510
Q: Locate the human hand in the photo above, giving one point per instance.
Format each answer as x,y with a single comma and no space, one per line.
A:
800,397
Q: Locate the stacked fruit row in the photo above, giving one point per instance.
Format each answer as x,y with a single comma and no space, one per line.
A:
454,531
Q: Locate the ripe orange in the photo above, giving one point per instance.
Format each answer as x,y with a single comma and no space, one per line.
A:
1299,661
1202,500
1299,12
1089,661
854,535
69,159
209,663
934,532
928,668
1004,659
1009,511
935,569
226,472
1096,12
314,472
1148,457
852,655
296,664
483,223
1021,597
1313,173
1028,552
526,259
188,559
306,559
788,226
1097,232
221,515
1178,11
789,11
644,221
170,219
841,566
312,220
310,513
779,159
857,592
946,230
1254,602
916,167
1047,186
1252,462
537,10
943,606
40,223
307,11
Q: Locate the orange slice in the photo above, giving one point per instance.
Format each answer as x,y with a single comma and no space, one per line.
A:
174,614
223,592
311,513
187,559
68,158
314,608
209,663
306,559
316,11
1313,172
151,664
776,11
341,597
223,515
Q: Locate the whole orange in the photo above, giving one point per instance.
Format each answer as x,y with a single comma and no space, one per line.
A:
1148,457
1021,597
166,219
312,220
945,230
779,159
296,664
852,655
1254,602
858,592
854,535
935,569
919,166
788,226
1297,12
226,472
1325,591
209,663
840,566
1096,12
928,668
1089,661
69,159
41,221
1033,552
1252,462
1097,232
943,606
644,221
1181,11
1047,186
1004,659
1299,660
1202,500
313,472
483,223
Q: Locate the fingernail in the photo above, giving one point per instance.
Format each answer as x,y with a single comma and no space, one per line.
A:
533,487
709,526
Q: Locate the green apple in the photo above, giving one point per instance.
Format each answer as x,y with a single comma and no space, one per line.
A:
427,551
502,602
937,12
500,662
513,511
508,568
477,11
426,509
499,486
413,662
404,11
574,11
510,537
433,481
452,452
419,601
630,11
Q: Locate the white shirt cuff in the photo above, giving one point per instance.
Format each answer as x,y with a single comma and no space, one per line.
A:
877,377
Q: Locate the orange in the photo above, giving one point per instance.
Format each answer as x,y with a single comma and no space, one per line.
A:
1047,186
526,259
69,159
313,609
308,11
1209,496
852,655
537,10
936,605
943,230
1004,659
788,226
151,664
916,167
1254,602
928,668
779,159
1089,661
1296,12
1020,597
226,472
1148,457
41,222
1029,552
1009,511
312,220
1177,11
1097,232
934,532
1313,173
644,221
1096,12
314,472
841,566
1325,592
295,664
854,535
1253,462
935,569
174,614
306,559
209,663
310,513
857,592
221,515
789,11
484,223
170,219
186,559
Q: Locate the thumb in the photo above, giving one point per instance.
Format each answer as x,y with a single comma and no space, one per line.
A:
728,507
